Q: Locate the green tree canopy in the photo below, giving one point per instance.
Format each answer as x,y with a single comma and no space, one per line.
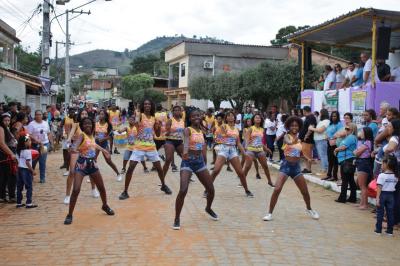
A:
144,64
28,62
155,96
279,37
133,83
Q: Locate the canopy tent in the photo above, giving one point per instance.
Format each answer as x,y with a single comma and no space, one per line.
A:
357,29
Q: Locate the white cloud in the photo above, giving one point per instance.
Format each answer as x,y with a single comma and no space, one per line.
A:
123,24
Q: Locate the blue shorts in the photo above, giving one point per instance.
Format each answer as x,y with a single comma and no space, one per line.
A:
255,154
103,144
174,142
127,155
195,164
227,151
139,156
86,166
290,169
365,165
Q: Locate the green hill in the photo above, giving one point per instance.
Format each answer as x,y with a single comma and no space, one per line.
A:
122,60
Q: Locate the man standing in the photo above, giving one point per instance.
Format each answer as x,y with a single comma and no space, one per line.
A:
307,137
383,70
367,70
350,76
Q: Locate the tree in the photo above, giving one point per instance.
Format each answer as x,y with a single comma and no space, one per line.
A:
78,85
279,37
144,64
155,96
134,83
28,62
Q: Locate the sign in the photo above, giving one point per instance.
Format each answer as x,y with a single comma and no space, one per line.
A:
331,100
358,99
306,101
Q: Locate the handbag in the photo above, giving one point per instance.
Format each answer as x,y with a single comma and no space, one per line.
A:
372,188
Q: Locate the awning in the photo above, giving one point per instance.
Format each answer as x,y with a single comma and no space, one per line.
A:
30,80
352,29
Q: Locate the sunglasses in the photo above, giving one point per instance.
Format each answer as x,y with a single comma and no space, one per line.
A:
347,129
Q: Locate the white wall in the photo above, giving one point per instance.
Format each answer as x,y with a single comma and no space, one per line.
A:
12,88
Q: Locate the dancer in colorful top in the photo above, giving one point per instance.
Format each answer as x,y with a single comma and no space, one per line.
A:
193,162
228,151
174,134
131,131
103,134
248,125
290,167
145,146
115,120
255,148
86,165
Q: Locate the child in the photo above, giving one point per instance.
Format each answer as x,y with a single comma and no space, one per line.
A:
25,172
386,182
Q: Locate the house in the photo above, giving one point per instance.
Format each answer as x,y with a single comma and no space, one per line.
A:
23,88
8,40
191,59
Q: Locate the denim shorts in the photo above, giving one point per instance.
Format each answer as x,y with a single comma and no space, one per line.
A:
292,170
229,152
139,156
174,142
86,166
364,165
195,164
127,155
255,154
103,144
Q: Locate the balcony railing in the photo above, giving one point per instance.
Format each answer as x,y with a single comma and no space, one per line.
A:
173,83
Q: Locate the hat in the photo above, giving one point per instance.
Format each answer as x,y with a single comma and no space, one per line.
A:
6,114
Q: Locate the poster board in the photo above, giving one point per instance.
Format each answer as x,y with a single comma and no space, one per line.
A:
358,104
331,100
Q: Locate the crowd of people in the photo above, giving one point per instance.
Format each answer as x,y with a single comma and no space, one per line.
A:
238,140
356,74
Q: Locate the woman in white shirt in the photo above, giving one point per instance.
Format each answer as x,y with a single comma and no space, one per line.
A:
321,139
270,125
39,132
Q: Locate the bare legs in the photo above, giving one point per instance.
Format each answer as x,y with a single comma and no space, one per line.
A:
219,163
206,181
169,156
362,179
301,185
263,161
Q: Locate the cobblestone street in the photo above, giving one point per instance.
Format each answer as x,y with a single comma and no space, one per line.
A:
140,233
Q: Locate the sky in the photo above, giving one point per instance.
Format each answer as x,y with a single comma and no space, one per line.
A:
121,24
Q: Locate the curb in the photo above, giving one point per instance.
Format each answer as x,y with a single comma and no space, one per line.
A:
330,185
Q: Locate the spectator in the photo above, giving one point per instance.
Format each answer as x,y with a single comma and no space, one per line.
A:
395,74
19,125
307,137
248,114
8,145
330,78
369,117
364,163
340,75
40,134
345,157
280,134
382,120
333,165
367,70
350,76
294,112
238,123
270,125
383,70
321,140
12,110
358,78
28,113
320,82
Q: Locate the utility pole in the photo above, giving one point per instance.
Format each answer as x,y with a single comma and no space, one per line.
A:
45,72
67,74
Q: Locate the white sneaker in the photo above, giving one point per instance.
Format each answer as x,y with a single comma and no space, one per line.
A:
119,178
95,193
88,180
66,200
66,173
313,214
239,185
268,217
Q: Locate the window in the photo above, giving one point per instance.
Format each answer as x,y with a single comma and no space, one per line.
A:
183,69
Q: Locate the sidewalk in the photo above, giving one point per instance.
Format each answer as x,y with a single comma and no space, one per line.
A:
330,185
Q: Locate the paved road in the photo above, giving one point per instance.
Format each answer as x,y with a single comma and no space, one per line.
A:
140,233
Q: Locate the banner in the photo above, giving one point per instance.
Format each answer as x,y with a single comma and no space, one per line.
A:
358,99
331,100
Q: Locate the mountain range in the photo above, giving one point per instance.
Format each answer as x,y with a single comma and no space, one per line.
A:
121,60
